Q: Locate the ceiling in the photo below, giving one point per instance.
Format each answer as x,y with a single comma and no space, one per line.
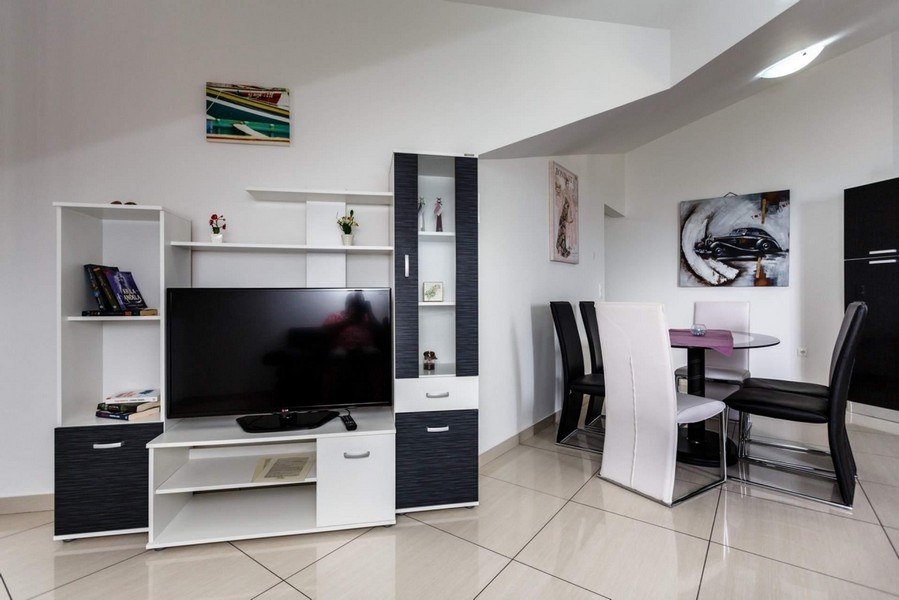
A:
644,13
726,79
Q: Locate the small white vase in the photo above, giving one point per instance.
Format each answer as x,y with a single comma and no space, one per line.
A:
216,238
347,239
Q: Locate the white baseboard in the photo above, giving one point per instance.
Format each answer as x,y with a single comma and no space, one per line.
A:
515,440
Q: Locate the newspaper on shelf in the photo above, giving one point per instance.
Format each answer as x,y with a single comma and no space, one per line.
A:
274,469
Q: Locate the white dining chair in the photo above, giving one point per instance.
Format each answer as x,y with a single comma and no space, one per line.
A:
643,409
723,374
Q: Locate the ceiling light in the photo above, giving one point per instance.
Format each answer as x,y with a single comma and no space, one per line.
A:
792,63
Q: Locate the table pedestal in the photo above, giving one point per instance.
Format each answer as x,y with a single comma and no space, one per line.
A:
697,446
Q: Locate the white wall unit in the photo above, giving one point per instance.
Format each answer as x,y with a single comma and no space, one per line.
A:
202,487
437,417
101,464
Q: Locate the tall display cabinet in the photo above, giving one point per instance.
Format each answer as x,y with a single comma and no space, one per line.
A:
101,464
436,310
871,274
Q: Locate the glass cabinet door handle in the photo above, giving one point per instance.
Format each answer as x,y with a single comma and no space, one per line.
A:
406,258
108,446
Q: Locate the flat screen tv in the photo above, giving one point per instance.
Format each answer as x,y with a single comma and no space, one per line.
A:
277,351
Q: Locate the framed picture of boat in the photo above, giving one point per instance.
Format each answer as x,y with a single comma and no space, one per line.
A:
563,215
247,114
735,241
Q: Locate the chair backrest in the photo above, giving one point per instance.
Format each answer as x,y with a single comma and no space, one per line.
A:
733,316
843,358
569,340
588,316
641,404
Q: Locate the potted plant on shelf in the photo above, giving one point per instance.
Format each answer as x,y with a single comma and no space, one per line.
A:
217,222
346,224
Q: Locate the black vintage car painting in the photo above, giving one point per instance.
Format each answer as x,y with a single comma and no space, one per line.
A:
739,242
735,241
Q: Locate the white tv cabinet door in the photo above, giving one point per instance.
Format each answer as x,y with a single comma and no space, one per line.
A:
356,480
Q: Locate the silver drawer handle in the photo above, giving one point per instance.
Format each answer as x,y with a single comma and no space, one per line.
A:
888,251
365,454
437,395
886,261
407,265
108,446
438,429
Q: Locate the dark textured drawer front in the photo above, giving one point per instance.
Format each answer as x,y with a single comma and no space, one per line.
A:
436,467
102,489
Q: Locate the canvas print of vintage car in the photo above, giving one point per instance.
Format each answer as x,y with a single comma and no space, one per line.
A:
735,241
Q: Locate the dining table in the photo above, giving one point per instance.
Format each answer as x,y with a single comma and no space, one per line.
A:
696,445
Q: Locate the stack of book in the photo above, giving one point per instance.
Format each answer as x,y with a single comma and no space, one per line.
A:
116,293
132,405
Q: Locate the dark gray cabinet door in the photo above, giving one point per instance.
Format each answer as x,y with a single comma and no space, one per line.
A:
466,267
405,234
875,376
871,220
436,458
101,477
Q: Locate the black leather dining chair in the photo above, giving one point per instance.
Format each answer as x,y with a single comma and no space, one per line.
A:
576,382
588,317
809,403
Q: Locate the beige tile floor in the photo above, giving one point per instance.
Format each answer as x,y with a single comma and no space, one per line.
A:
546,527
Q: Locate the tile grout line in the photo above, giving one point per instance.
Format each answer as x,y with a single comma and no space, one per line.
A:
708,546
800,567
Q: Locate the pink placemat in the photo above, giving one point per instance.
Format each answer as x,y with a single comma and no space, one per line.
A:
720,340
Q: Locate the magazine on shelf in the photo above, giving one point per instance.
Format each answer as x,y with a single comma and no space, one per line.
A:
274,469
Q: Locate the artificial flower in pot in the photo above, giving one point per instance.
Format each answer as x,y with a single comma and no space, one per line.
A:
346,224
217,222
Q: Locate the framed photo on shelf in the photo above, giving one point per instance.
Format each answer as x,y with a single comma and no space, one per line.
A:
432,291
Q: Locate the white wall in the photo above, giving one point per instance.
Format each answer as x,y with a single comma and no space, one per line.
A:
104,101
520,379
816,133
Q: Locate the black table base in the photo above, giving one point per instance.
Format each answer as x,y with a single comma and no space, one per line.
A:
702,447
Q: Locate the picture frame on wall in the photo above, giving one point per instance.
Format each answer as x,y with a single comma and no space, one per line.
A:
247,114
735,241
563,215
432,291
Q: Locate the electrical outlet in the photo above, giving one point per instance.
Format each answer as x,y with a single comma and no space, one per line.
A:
802,352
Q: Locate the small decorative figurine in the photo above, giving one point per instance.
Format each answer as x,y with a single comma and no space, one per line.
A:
438,210
430,360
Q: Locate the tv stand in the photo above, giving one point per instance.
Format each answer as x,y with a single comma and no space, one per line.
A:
285,421
350,484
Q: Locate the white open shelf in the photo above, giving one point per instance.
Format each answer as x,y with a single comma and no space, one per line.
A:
436,304
251,513
437,236
300,195
113,318
223,473
243,247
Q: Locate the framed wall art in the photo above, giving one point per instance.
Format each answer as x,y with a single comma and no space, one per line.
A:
247,114
432,291
738,241
563,217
